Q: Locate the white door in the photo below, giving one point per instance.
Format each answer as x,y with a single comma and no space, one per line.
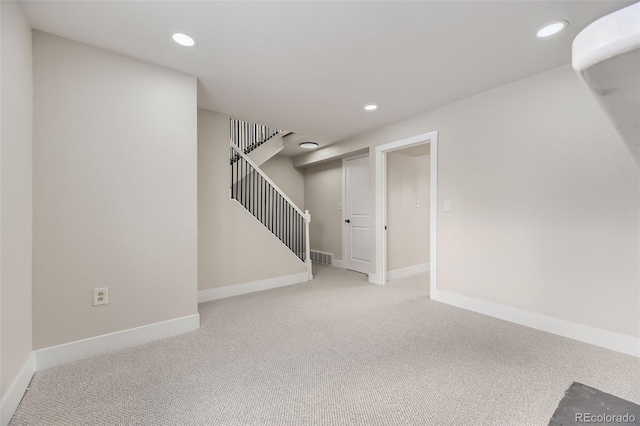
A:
357,216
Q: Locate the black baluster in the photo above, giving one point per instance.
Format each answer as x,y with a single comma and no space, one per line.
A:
244,183
237,181
298,234
259,196
280,215
244,189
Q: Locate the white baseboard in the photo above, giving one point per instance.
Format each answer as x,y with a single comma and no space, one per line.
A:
337,263
373,279
607,339
11,399
73,351
408,271
251,287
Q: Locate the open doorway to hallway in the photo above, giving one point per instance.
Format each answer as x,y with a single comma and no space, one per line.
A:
407,212
381,215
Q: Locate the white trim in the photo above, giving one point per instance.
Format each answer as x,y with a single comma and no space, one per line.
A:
337,263
251,287
80,349
584,333
11,399
380,275
408,271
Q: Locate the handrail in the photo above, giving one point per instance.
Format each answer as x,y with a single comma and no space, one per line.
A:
265,177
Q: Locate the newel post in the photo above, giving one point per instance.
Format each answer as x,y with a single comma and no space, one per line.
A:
307,258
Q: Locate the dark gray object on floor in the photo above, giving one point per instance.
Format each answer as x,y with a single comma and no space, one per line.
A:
585,405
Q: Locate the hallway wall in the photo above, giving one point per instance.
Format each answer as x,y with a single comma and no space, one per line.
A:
323,197
407,210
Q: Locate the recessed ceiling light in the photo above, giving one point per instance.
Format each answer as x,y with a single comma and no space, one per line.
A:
184,40
371,107
308,145
552,28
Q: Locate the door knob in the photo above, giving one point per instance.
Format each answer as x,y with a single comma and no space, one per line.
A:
347,221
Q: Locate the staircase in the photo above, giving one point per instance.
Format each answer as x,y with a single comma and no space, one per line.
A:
251,145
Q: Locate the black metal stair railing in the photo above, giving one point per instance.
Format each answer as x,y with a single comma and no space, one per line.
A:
269,205
248,136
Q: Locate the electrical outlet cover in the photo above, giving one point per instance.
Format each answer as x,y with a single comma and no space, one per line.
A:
100,296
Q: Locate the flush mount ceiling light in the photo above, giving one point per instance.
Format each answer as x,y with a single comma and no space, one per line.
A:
370,107
184,40
308,145
552,28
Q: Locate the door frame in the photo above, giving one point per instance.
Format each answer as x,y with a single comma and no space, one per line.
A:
431,138
345,235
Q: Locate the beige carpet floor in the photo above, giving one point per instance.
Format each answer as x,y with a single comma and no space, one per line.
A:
336,351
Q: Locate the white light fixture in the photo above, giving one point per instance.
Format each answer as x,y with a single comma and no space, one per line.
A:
371,107
184,40
308,145
552,28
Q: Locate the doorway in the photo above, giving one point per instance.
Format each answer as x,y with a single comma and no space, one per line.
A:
407,231
356,209
380,233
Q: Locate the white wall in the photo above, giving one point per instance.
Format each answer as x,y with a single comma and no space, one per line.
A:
16,113
290,180
545,201
233,247
115,191
322,197
407,210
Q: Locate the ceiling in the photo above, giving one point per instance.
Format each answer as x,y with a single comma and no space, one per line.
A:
310,67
